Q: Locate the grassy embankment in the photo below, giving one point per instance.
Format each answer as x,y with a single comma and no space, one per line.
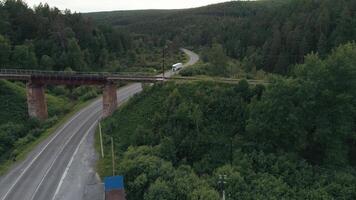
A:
19,134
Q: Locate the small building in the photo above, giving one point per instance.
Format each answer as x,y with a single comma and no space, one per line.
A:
114,188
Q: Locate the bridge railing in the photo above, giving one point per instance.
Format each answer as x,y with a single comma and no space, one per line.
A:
73,73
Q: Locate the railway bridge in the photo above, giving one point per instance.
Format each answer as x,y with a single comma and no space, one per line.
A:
37,80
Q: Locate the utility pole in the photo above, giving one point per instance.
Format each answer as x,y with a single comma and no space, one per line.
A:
221,183
112,156
231,151
101,141
163,61
165,48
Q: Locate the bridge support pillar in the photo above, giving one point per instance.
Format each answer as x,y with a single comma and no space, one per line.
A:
109,99
36,101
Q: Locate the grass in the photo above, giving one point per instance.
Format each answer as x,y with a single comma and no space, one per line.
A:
23,151
102,165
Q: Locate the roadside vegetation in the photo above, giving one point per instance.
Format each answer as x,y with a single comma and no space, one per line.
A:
16,129
19,133
293,139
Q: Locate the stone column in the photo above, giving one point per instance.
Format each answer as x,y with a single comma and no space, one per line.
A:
36,101
109,99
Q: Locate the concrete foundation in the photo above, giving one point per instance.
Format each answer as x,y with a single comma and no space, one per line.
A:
36,101
109,99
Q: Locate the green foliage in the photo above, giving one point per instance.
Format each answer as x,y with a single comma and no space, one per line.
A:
159,190
47,62
216,56
47,38
280,32
294,139
16,129
74,56
24,57
195,70
5,51
312,112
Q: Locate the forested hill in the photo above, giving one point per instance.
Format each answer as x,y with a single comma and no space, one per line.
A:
50,39
270,34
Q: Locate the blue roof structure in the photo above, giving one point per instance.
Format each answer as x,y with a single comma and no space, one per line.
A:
114,183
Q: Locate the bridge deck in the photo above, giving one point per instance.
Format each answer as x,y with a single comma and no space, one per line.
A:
75,78
99,78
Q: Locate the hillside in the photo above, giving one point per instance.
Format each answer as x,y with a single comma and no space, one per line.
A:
293,139
126,18
46,38
16,129
268,35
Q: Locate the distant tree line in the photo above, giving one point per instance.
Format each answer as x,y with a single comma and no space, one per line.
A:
49,39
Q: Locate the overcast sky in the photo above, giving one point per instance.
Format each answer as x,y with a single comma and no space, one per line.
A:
107,5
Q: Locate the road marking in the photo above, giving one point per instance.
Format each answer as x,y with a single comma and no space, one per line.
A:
38,155
60,151
127,90
71,160
62,147
135,91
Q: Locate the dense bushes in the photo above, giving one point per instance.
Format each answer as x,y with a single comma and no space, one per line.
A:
312,112
16,128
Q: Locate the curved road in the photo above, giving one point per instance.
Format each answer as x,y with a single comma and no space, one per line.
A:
42,175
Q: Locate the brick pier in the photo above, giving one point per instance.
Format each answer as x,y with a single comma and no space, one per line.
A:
109,99
36,101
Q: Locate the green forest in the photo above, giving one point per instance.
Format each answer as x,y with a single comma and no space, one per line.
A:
271,34
291,139
46,38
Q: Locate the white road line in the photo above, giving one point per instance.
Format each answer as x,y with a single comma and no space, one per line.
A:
136,90
59,153
45,147
38,155
62,147
71,160
82,140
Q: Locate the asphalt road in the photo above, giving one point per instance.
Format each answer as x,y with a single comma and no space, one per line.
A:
41,176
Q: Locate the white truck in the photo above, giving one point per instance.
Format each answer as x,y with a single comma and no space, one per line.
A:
177,67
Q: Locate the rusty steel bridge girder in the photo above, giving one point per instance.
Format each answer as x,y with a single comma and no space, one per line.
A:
75,78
